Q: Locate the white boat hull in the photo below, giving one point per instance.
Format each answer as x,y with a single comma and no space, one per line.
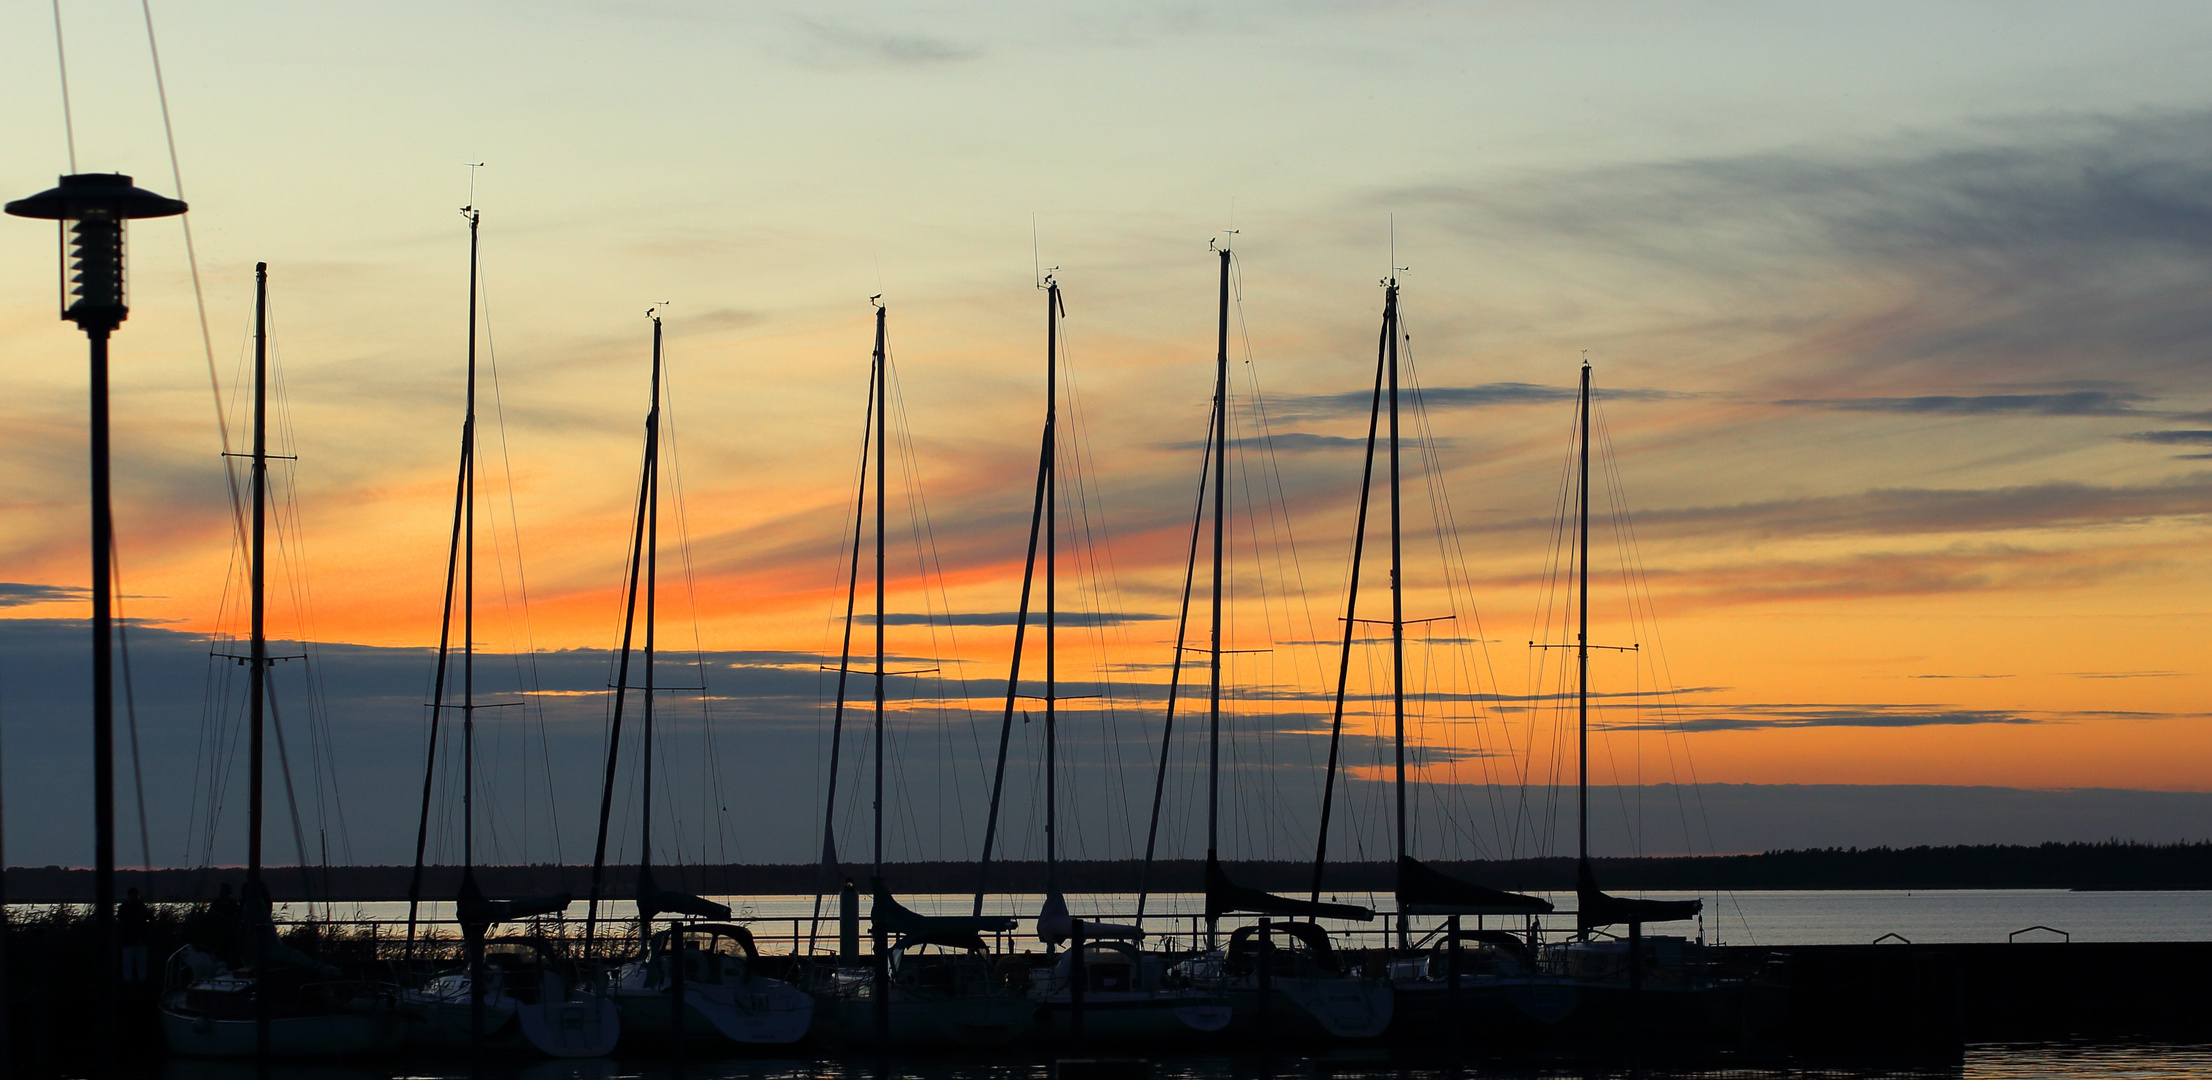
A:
764,1012
582,1026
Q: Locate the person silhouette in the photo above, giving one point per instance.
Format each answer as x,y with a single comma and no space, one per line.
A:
222,923
132,922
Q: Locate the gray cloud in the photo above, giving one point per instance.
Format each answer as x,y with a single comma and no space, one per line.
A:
1483,395
2069,403
1905,511
18,593
848,44
2172,438
1303,441
1999,251
1008,618
1753,717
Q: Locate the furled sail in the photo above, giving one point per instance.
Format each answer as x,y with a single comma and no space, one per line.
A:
1054,925
1423,890
1595,908
652,900
911,927
473,909
1224,896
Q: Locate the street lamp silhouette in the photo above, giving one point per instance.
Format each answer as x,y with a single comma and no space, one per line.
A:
89,210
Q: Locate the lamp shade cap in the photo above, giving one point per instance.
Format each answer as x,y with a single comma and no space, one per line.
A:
94,192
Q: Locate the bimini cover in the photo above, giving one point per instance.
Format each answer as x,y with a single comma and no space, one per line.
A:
1055,926
652,900
1594,908
1224,897
1423,890
911,927
472,909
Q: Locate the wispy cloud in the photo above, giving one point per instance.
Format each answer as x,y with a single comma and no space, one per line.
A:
1915,511
1756,717
1483,395
18,593
841,44
2183,437
1009,618
1297,442
2070,403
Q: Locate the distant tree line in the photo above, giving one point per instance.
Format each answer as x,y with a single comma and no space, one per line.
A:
2110,865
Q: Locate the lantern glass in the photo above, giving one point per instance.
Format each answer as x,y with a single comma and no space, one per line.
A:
94,282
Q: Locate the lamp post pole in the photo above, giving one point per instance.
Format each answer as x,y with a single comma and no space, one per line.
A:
89,209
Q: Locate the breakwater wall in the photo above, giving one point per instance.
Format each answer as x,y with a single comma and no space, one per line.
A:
2041,866
1895,992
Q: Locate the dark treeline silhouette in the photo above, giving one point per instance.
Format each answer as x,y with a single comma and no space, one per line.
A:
2109,865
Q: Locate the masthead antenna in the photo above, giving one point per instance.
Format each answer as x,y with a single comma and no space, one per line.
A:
472,167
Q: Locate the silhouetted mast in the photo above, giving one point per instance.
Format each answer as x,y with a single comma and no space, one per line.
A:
1221,472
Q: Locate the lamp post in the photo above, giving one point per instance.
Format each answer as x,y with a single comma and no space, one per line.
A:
89,210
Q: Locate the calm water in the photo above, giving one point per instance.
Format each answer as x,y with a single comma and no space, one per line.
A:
2136,1061
1778,917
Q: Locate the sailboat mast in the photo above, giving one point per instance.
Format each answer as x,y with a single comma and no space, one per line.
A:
445,640
1174,679
1582,631
1397,591
652,592
1351,607
622,665
883,377
1052,534
845,651
259,647
468,585
1021,635
1221,487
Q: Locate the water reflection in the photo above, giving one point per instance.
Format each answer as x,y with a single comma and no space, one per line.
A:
2135,1061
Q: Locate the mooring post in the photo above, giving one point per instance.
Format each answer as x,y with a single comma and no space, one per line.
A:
1451,972
1078,976
882,990
1266,981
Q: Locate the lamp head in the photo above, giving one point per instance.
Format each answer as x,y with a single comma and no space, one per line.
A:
90,209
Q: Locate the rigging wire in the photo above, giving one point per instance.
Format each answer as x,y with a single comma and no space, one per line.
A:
130,711
534,694
191,254
61,59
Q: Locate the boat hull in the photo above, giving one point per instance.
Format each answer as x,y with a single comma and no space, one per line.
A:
1506,1009
581,1027
1137,1018
970,1021
764,1013
1310,1009
324,1036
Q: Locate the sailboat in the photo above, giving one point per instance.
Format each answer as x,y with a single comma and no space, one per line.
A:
1101,986
929,980
1480,980
1642,982
694,983
275,1001
510,995
1281,979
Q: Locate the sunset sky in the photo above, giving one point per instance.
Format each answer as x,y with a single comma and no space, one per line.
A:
1898,313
